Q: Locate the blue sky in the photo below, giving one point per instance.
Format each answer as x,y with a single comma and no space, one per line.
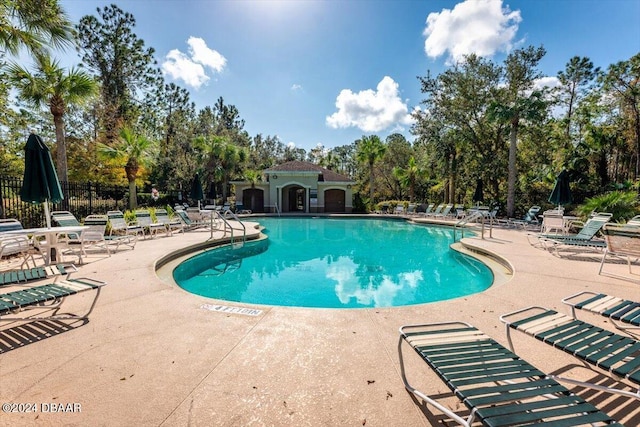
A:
328,72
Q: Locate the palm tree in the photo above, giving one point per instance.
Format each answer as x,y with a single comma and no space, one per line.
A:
231,160
32,24
519,105
56,88
135,151
409,176
370,149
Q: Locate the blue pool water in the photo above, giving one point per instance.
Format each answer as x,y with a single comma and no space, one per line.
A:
337,263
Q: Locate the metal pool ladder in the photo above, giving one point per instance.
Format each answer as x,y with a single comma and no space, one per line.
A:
473,217
223,217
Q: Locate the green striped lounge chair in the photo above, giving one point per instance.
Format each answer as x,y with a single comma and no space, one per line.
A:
613,353
36,273
624,313
47,298
498,387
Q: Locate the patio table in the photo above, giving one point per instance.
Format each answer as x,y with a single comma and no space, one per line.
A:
51,238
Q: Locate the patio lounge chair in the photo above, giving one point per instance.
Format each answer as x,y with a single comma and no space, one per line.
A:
613,353
143,218
14,244
93,237
162,217
446,211
531,218
622,241
436,211
65,219
120,228
497,386
427,210
191,224
47,298
619,310
586,238
36,273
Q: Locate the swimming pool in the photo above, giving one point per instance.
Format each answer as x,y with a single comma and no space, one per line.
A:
337,263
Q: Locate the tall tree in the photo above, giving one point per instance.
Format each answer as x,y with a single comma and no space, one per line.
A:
574,80
171,115
519,103
56,88
133,151
622,80
454,128
369,150
122,64
229,125
265,151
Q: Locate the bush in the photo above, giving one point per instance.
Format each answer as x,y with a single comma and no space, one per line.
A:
622,204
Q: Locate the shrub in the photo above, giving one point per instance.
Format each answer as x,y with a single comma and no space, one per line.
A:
622,204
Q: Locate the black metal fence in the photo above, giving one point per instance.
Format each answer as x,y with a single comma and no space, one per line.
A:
81,199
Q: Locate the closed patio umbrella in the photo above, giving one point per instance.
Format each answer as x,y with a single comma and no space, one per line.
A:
478,195
211,192
561,194
40,184
196,192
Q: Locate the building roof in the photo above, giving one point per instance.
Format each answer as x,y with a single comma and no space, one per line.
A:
298,166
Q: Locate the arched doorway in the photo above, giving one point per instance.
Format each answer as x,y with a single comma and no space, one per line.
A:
334,201
253,199
294,199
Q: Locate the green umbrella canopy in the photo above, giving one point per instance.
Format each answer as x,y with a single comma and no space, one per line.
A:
561,194
40,182
196,192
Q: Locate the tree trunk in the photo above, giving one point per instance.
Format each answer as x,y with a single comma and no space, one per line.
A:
452,178
513,172
131,170
371,184
61,148
133,196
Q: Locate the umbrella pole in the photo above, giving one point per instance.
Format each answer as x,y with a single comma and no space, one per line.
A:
47,218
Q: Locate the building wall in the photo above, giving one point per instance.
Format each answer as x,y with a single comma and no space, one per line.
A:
308,182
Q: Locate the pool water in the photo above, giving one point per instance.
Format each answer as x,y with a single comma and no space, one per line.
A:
337,263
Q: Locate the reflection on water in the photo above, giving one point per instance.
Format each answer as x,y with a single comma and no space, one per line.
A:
337,263
377,290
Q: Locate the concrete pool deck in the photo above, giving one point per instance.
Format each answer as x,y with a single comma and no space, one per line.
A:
154,355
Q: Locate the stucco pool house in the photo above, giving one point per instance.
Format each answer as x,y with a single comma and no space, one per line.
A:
297,186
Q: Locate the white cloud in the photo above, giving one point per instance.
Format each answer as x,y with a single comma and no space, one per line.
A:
201,54
369,110
191,68
296,87
549,81
482,27
180,67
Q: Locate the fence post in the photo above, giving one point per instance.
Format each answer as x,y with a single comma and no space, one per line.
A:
90,198
1,198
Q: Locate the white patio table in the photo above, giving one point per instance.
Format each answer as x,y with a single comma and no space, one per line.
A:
53,244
